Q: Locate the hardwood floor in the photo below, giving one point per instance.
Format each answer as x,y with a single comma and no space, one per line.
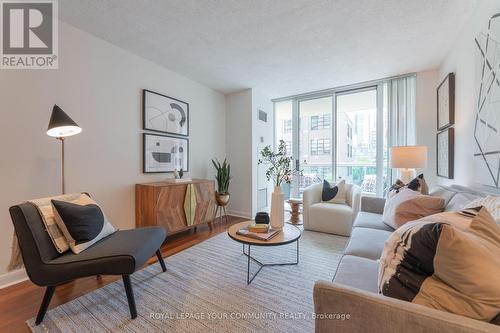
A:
20,302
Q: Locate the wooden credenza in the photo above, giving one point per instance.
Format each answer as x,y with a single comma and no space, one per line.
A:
176,206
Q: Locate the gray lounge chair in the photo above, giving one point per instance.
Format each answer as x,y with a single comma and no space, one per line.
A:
121,253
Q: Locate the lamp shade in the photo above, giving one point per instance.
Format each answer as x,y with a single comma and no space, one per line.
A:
61,125
408,157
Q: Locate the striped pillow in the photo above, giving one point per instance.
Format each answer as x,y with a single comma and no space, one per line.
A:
491,203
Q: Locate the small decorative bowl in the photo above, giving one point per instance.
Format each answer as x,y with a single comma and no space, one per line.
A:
262,218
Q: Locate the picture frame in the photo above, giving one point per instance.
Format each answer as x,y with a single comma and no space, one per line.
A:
445,153
164,114
164,153
446,102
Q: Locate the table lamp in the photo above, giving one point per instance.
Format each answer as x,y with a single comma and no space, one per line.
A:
407,159
60,127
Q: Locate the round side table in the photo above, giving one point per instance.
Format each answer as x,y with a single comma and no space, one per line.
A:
295,213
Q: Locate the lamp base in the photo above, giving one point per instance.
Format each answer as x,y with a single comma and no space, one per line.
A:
406,175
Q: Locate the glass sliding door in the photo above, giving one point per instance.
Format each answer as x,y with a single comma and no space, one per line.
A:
284,130
337,135
315,141
360,139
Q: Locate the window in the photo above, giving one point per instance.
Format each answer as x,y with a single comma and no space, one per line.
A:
349,150
321,122
346,133
320,147
288,147
287,126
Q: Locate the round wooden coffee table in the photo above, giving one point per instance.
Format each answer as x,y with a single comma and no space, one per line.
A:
288,235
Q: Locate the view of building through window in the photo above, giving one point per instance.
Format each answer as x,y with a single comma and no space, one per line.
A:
315,141
357,139
351,154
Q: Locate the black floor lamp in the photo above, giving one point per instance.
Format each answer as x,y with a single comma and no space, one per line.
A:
60,127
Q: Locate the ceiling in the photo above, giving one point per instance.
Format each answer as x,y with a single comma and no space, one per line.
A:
280,47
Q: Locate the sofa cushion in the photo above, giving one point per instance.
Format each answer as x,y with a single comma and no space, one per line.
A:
357,272
446,261
367,243
443,192
460,200
371,220
331,218
409,205
491,203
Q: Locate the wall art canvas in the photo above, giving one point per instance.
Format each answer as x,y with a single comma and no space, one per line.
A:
487,105
446,102
164,153
445,148
165,114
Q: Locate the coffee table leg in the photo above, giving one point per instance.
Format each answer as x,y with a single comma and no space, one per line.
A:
261,265
248,267
297,251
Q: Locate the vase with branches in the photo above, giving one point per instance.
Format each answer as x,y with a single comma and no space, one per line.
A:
279,169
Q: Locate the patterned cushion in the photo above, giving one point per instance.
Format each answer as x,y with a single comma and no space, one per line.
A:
44,207
417,184
334,194
82,222
448,261
491,203
409,205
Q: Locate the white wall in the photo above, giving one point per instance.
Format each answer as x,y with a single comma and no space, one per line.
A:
99,86
262,135
243,134
239,151
426,120
461,60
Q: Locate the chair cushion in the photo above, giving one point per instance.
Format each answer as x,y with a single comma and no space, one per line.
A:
82,222
358,272
330,218
123,252
371,220
367,243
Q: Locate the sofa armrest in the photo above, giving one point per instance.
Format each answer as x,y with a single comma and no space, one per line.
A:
340,308
372,205
355,200
311,195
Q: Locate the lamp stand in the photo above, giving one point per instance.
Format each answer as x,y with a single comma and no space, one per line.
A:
63,185
407,175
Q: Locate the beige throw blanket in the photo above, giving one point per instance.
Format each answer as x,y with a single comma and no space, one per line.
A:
44,207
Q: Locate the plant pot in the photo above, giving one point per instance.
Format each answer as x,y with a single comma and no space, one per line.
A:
222,199
277,209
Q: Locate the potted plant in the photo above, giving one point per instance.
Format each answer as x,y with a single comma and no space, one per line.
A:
223,177
279,170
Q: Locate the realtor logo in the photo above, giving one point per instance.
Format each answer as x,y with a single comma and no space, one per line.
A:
28,34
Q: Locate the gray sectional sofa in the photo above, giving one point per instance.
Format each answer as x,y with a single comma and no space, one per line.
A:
353,291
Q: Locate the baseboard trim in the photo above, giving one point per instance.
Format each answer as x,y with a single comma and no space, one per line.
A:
14,277
245,215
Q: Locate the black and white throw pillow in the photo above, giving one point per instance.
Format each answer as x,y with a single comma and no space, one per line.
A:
82,222
416,184
334,194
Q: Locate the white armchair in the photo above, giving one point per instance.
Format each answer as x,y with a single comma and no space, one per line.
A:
329,217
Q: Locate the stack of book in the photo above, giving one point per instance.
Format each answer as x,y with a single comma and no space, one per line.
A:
258,231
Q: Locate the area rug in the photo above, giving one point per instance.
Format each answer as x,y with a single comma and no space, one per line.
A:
205,290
